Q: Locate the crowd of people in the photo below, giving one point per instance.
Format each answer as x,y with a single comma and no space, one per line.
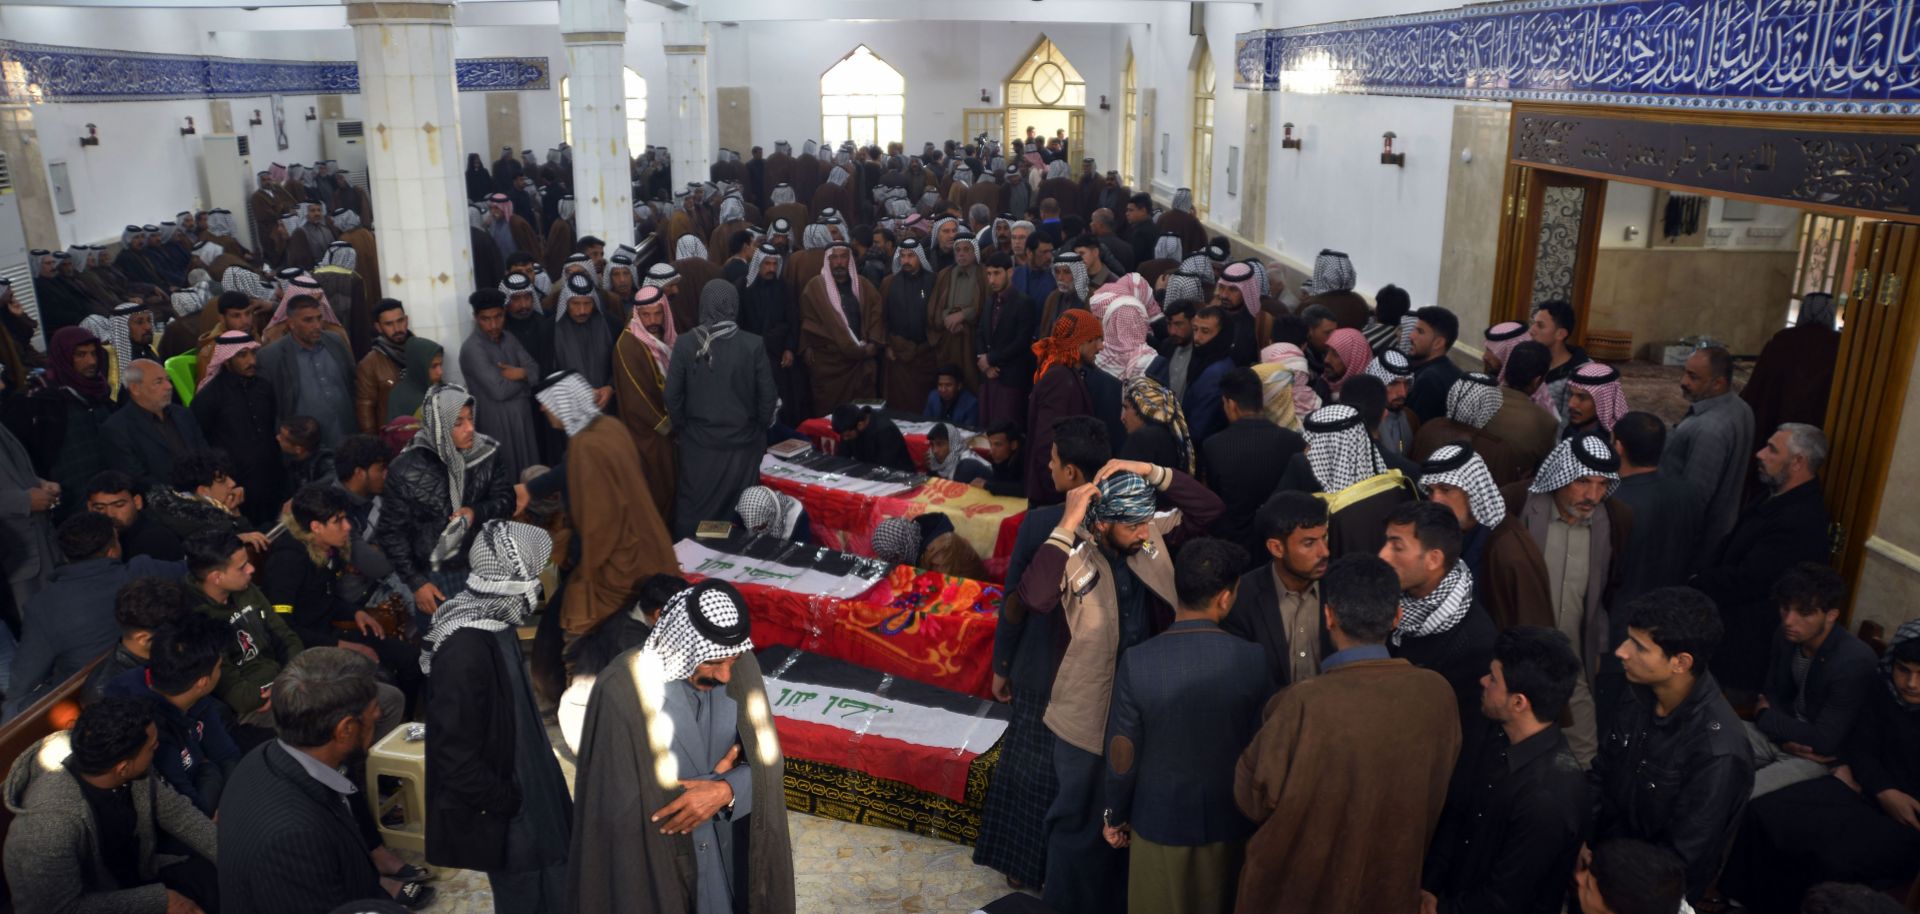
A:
1303,616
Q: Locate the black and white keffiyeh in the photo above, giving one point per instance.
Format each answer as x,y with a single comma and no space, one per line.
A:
702,624
1438,611
897,540
1332,272
1463,469
345,220
1198,264
1339,449
689,247
569,398
762,510
503,584
1185,286
1390,366
1167,246
662,274
781,194
438,413
761,255
1076,265
1577,458
340,254
1473,400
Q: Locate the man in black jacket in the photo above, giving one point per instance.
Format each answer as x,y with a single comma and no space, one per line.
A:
152,431
288,840
1509,843
1442,627
1674,769
1435,330
496,800
1781,529
1242,462
871,438
235,409
116,495
1818,679
1277,605
1003,345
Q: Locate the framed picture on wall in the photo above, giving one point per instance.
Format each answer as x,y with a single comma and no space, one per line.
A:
280,123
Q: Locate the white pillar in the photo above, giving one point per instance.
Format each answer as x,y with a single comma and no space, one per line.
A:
686,48
414,165
596,35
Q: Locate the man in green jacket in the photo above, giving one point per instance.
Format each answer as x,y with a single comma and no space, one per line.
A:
222,576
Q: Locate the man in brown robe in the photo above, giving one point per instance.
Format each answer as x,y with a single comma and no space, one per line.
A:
778,171
267,206
623,539
908,312
1180,220
833,193
957,298
366,252
840,329
695,272
640,359
561,237
1509,574
1349,772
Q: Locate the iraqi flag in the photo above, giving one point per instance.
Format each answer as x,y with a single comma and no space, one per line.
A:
835,713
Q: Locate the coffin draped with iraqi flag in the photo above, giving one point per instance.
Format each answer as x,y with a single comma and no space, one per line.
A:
868,747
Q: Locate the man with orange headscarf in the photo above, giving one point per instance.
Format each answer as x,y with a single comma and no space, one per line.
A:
1059,390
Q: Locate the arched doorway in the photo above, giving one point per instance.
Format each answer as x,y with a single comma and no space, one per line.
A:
1046,93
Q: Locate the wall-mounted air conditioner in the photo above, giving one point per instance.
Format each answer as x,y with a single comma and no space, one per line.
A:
345,142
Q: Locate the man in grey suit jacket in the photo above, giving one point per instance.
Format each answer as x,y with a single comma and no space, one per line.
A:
151,431
311,371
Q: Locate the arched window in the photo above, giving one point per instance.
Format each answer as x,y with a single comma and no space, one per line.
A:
1201,167
1130,126
1046,93
636,107
636,113
863,99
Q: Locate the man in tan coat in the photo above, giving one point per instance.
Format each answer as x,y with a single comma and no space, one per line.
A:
623,539
840,331
1348,774
381,367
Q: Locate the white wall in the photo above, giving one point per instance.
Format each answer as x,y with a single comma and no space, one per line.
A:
946,64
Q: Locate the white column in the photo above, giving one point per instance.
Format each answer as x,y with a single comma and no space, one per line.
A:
686,47
596,34
414,165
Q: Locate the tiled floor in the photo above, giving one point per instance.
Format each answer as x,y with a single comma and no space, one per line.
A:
839,868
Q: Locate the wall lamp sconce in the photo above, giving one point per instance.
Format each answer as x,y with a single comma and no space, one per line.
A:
1103,104
310,115
255,120
187,130
92,138
1287,139
1387,155
985,97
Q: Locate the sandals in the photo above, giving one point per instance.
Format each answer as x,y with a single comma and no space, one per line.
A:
413,896
413,874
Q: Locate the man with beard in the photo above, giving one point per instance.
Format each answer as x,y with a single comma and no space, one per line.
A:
1109,532
508,231
676,731
582,339
235,409
382,366
1708,449
501,374
618,282
129,337
1207,366
1442,625
841,326
61,304
267,204
721,399
1509,574
307,243
768,311
524,320
1583,547
1071,288
622,533
957,298
640,359
1277,605
63,422
311,370
905,297
1003,350
561,237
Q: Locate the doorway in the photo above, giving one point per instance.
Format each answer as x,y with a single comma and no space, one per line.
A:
1766,214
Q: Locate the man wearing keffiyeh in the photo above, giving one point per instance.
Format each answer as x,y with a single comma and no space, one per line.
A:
842,329
496,800
720,398
1107,568
1509,575
1472,402
1343,465
623,534
1582,532
1595,400
1442,627
680,731
1396,372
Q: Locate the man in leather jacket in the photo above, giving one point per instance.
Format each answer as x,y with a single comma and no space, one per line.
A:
1674,769
426,489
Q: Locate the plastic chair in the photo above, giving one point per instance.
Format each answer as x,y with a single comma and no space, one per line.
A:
394,757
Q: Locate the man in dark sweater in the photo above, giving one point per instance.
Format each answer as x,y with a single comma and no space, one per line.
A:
1242,462
1442,626
140,608
1509,842
1818,679
1435,330
116,495
195,755
71,622
289,843
1009,476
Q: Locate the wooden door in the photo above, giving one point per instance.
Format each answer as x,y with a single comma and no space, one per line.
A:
1549,236
1870,383
988,122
